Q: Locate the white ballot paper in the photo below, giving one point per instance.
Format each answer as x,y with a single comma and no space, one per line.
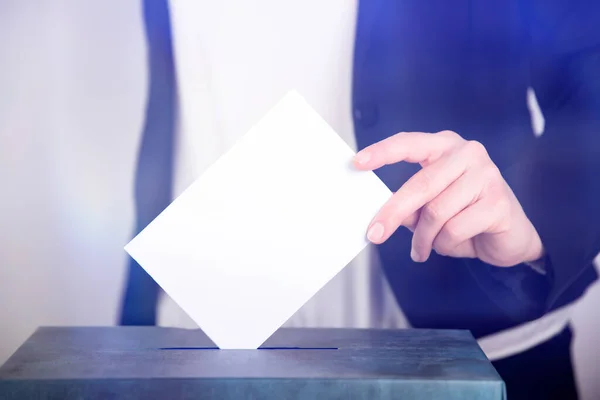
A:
264,228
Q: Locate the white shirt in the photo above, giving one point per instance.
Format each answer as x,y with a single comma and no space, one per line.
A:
234,60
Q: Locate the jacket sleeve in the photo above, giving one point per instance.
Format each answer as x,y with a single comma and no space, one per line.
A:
558,180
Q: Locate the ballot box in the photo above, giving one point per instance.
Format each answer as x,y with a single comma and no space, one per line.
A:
169,363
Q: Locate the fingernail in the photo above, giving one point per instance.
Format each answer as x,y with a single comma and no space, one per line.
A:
414,255
362,157
375,233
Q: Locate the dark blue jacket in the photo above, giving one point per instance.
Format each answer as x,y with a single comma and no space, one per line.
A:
465,65
430,65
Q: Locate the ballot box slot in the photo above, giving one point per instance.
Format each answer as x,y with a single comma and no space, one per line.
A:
260,348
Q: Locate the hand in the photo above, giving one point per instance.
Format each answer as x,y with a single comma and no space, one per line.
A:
458,204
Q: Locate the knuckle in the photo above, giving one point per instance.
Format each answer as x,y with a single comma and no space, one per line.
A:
421,183
503,203
451,234
401,134
503,210
450,134
491,173
495,187
395,146
431,212
495,191
476,149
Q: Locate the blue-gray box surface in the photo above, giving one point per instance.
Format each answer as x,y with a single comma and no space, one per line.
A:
169,363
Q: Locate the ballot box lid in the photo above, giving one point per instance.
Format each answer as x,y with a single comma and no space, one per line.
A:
154,362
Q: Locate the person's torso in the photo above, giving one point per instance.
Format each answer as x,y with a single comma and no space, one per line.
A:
418,65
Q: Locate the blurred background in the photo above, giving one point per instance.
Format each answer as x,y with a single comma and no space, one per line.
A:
73,93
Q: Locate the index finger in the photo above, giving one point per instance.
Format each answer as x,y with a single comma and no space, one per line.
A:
414,147
416,192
